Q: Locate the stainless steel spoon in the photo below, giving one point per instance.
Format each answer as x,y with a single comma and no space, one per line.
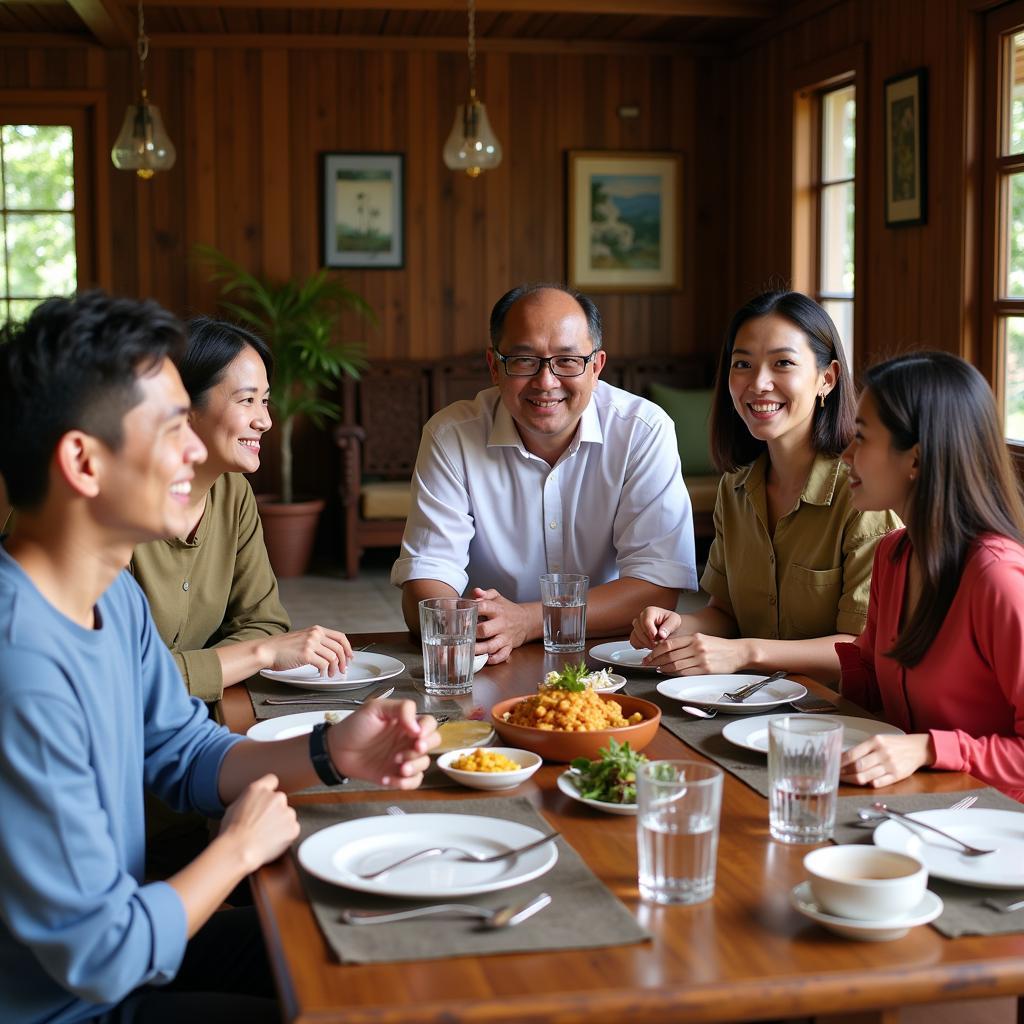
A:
502,917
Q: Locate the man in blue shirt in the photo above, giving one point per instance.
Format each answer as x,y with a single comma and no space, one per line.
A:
97,456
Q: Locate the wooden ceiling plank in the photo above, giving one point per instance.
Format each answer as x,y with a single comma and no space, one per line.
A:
669,8
107,20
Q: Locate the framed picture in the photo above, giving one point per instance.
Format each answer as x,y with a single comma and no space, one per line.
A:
906,151
625,221
362,210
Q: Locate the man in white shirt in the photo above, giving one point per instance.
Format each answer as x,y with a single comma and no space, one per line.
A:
548,471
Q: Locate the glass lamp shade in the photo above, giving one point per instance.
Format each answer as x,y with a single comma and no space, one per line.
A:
472,145
143,145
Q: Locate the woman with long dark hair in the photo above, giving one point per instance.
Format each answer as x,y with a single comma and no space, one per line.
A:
789,568
941,653
213,593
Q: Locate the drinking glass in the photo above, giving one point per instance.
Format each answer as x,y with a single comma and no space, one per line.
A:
564,597
448,631
803,773
680,803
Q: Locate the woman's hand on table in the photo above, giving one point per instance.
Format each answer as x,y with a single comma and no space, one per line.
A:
883,760
697,654
384,742
260,823
653,625
326,649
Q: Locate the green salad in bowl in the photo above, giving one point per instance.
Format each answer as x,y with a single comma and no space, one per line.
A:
611,779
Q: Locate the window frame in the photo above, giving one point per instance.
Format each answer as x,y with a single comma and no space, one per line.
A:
85,112
808,85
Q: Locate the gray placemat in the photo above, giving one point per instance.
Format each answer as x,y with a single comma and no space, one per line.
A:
583,914
964,910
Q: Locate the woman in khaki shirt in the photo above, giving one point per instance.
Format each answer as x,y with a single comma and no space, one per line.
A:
213,593
790,567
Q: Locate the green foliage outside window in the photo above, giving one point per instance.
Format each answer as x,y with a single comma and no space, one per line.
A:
37,219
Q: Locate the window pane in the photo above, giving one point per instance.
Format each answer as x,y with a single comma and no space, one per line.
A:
1016,104
21,308
841,311
837,239
1013,274
838,135
38,167
1014,381
40,254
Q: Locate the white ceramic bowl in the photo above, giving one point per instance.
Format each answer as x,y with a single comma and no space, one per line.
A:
865,883
528,761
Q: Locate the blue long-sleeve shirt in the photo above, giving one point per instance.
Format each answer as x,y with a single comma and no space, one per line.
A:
88,718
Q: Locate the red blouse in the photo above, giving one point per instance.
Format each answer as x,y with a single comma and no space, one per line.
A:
968,690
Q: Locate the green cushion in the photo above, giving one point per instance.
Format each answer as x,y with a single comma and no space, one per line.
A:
690,411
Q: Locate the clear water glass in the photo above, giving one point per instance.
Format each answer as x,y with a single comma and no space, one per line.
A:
563,596
448,632
679,807
803,773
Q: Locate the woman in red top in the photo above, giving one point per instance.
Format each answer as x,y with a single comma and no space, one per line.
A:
941,654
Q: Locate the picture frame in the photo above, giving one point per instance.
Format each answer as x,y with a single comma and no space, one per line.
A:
625,221
362,210
906,149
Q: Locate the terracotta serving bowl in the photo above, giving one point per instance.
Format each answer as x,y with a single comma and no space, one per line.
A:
564,746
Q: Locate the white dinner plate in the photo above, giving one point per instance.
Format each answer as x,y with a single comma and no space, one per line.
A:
707,691
287,726
1002,831
620,653
568,787
340,853
752,733
365,669
866,931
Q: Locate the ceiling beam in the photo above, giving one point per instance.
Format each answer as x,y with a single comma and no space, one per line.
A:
665,8
107,20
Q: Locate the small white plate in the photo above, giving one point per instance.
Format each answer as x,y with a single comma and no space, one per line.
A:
568,787
287,726
340,853
752,733
454,735
478,662
617,683
1002,831
619,652
365,669
528,763
706,691
866,931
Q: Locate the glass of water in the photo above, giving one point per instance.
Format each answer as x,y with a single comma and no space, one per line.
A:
564,597
679,806
448,631
803,773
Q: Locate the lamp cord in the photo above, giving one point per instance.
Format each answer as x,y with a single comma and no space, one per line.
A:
142,47
471,46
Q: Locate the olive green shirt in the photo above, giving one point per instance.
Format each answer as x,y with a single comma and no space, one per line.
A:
813,576
214,590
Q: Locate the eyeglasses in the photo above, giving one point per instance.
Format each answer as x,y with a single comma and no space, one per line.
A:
530,366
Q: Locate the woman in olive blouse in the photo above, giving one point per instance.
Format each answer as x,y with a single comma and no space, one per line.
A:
789,570
213,593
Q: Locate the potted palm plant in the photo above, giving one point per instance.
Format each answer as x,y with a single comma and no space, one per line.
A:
298,319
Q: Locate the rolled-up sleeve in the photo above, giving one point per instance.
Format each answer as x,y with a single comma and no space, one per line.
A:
653,527
859,543
440,527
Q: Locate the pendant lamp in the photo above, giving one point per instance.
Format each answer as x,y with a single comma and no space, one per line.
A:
143,145
472,145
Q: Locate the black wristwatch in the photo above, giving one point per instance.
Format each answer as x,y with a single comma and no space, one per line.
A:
321,757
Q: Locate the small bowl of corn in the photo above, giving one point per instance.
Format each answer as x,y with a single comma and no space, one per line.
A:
489,768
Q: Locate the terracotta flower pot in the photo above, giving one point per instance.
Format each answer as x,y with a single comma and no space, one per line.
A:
289,532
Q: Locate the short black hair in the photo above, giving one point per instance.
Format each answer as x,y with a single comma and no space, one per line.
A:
732,444
74,365
510,298
212,346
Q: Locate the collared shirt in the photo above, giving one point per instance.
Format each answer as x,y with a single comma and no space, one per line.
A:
967,692
89,718
488,513
215,589
809,578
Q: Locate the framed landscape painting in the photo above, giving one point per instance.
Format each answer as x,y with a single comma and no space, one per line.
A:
362,210
906,153
625,230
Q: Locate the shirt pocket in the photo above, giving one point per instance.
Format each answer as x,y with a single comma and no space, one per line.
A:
810,601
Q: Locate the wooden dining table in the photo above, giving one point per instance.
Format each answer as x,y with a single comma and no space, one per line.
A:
743,955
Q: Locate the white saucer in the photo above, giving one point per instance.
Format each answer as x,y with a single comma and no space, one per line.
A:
617,683
866,931
619,652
